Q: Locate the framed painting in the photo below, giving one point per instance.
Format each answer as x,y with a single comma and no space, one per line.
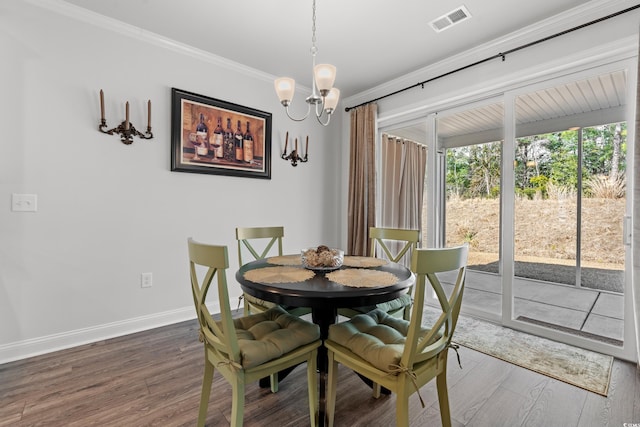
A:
218,137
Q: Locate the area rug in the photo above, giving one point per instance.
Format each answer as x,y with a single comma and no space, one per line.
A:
582,368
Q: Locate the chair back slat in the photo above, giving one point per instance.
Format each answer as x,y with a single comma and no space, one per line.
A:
245,234
394,242
423,343
214,261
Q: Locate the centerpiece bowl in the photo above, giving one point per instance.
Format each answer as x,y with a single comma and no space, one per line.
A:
322,258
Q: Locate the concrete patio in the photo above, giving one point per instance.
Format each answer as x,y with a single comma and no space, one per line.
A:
583,310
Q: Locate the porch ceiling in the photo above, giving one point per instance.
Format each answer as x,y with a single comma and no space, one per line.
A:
588,102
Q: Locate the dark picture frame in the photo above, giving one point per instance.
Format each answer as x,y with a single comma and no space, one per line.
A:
202,149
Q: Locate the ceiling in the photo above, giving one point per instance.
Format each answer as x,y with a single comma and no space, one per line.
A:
369,41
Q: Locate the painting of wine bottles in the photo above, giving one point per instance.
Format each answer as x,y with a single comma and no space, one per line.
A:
218,137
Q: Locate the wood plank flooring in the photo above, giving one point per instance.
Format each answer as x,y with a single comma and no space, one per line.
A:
153,378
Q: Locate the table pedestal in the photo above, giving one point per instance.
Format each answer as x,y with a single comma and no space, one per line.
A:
323,317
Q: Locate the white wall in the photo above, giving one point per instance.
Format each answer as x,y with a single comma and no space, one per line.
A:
70,273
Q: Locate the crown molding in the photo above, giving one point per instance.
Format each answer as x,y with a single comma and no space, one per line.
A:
89,17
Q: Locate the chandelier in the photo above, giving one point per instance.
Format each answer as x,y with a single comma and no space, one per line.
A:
324,97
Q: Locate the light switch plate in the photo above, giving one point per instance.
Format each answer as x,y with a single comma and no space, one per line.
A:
146,280
24,202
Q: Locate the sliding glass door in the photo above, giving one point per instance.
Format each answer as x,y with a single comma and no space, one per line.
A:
470,140
535,182
567,203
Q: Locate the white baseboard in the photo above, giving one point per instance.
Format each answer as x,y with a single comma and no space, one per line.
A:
50,343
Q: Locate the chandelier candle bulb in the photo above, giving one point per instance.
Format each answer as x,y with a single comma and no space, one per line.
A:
306,149
325,76
286,142
149,114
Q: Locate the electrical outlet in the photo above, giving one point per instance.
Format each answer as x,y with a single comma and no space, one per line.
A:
146,280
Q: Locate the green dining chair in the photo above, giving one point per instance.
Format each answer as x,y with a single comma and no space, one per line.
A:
246,238
248,348
395,243
401,355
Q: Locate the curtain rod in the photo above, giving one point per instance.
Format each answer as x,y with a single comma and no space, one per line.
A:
501,55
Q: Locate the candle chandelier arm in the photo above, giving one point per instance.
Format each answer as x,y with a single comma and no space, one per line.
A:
294,157
286,108
126,130
126,135
321,113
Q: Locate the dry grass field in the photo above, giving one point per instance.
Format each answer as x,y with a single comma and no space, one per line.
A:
545,230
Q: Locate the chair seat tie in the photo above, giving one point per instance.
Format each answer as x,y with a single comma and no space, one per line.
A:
235,366
399,369
455,348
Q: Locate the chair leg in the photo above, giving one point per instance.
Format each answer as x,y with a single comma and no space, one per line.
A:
206,392
237,401
402,409
332,382
376,390
443,398
247,307
406,314
312,384
273,378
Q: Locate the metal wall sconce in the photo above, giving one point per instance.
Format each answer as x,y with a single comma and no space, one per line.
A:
294,157
126,130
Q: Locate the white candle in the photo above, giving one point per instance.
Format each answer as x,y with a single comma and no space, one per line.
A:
101,104
126,123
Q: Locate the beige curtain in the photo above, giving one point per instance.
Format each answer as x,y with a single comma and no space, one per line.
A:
635,220
403,167
362,178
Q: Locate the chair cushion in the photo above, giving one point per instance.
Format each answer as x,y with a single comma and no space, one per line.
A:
298,311
269,335
376,337
259,302
389,306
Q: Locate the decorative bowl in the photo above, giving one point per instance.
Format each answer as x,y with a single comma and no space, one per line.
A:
322,258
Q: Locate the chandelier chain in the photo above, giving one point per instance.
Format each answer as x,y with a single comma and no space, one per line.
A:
314,49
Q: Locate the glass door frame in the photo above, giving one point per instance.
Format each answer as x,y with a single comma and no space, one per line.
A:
435,186
628,349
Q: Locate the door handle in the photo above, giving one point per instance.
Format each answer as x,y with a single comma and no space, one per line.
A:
626,231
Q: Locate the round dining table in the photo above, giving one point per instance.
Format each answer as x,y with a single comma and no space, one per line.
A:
324,297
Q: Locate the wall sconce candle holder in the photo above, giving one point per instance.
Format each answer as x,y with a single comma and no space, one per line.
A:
126,130
294,156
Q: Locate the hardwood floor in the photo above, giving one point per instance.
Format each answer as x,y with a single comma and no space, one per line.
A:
154,378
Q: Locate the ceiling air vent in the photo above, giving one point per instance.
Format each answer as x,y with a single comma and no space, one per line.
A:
449,19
